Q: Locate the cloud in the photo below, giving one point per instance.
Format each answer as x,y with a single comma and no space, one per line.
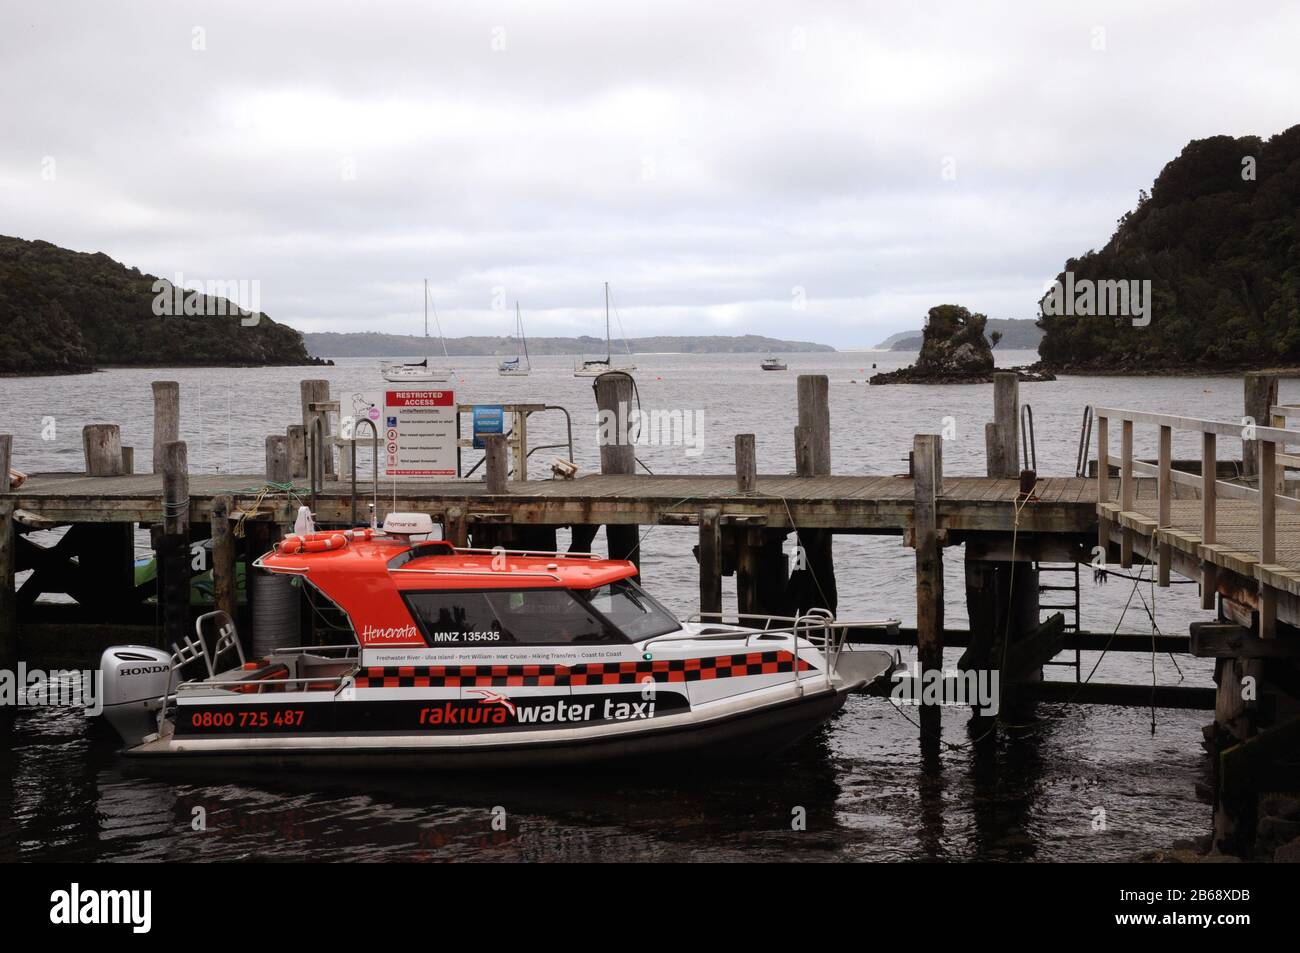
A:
707,160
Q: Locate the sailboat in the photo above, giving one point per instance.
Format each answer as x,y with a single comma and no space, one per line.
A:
421,371
598,366
512,367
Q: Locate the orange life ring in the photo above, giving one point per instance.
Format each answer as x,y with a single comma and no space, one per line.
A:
311,543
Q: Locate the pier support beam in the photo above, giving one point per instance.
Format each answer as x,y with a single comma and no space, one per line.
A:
617,452
927,464
225,579
174,545
8,565
709,554
812,581
166,418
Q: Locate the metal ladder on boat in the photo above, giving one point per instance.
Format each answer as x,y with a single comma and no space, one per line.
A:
1065,601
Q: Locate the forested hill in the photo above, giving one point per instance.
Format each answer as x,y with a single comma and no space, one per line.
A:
1217,239
64,311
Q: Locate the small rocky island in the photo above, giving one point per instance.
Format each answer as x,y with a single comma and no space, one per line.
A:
954,350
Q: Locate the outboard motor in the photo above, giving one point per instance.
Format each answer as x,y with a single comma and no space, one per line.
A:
135,679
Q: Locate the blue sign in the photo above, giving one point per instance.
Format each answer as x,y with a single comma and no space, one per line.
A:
488,419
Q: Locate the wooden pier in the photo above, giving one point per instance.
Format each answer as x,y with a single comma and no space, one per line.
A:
1206,520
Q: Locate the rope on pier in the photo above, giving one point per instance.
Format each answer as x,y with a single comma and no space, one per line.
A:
294,493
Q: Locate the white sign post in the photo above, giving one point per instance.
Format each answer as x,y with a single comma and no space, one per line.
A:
417,431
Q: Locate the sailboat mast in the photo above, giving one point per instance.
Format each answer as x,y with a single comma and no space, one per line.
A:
519,319
609,351
426,322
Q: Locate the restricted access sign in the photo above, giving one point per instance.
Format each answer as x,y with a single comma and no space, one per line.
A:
417,432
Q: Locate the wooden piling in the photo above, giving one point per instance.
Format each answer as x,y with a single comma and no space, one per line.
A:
279,469
296,434
497,462
617,452
8,565
225,579
748,596
1006,414
455,528
815,414
174,554
128,461
318,392
1259,396
102,446
710,557
927,458
166,418
746,463
803,451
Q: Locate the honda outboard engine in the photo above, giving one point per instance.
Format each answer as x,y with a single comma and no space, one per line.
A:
135,679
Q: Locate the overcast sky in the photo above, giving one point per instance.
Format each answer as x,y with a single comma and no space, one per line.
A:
814,171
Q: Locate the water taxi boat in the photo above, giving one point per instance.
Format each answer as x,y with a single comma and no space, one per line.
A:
479,659
773,363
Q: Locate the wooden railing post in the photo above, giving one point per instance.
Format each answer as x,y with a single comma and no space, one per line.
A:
746,463
1209,515
1103,483
1267,536
1164,489
1126,491
927,485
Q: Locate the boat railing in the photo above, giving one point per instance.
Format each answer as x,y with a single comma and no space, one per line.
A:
817,627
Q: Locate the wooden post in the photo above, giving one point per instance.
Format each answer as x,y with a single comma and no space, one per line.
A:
1103,484
174,556
8,565
746,463
710,556
1006,414
803,451
617,453
927,487
1260,394
225,579
815,414
128,461
1164,490
166,418
749,599
1126,490
297,437
279,468
497,462
1209,516
102,444
455,527
1267,537
318,392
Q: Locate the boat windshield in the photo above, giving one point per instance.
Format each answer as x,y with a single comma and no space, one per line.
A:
631,610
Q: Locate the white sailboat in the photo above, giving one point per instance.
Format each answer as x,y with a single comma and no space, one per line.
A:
513,367
420,372
598,366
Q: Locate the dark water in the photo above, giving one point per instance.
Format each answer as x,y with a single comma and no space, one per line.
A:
1040,793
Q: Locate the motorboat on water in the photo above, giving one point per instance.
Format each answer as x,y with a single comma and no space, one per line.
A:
485,659
773,363
421,371
603,365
